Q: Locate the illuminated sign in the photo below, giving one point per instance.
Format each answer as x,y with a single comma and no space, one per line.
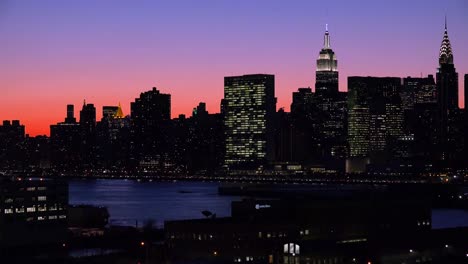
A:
262,206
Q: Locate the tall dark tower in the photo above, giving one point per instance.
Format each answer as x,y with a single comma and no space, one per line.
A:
70,114
151,114
326,75
447,95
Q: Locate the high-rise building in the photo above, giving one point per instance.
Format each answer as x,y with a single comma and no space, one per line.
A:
249,120
150,113
65,140
375,118
11,136
447,98
326,73
88,118
417,90
331,106
466,93
88,133
109,111
465,132
70,114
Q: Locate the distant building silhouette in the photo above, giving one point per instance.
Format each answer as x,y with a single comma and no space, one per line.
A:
65,141
70,114
88,134
12,134
151,115
250,107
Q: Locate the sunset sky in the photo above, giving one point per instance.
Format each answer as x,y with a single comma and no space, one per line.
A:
53,53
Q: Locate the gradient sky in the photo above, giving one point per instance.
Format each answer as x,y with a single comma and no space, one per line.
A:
54,53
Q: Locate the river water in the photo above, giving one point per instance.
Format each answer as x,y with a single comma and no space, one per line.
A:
131,202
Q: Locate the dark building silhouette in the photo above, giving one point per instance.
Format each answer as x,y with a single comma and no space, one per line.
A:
151,115
305,126
375,119
113,138
205,141
88,134
33,212
12,134
261,231
70,114
65,142
466,118
447,99
250,107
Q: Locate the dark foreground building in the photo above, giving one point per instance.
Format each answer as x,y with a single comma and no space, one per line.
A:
384,226
33,212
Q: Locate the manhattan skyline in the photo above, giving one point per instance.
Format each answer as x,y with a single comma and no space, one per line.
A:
57,54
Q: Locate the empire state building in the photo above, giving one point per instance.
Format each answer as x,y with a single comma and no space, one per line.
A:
326,75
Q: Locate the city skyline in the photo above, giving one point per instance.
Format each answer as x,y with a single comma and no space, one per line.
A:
291,59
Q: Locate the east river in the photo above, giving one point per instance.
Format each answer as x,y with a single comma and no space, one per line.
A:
131,202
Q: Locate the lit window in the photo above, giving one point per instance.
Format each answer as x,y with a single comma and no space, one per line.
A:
62,216
19,210
31,209
40,218
41,198
52,217
8,211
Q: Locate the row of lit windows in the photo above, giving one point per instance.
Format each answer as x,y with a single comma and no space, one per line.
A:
20,199
42,218
31,209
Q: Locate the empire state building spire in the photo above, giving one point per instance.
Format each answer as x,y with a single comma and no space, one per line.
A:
326,74
445,53
326,38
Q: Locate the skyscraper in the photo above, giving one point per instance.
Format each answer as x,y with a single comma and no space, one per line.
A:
149,114
88,133
70,114
375,119
88,118
447,97
326,73
331,104
250,109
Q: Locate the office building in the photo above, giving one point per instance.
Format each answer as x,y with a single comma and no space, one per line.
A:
12,133
326,73
249,120
65,141
70,114
375,119
33,212
150,115
447,99
88,133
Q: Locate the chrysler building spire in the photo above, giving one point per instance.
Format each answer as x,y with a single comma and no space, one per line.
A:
445,53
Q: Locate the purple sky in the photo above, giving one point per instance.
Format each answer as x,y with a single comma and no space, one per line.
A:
59,52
